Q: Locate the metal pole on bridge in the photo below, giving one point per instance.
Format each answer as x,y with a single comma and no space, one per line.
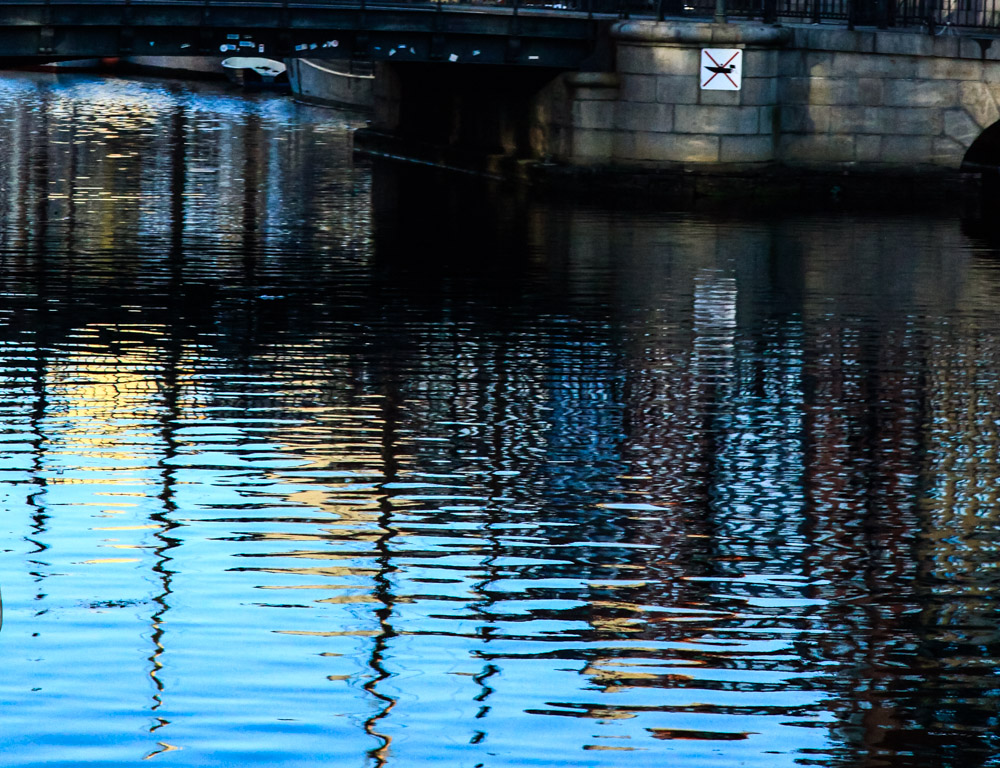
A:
720,12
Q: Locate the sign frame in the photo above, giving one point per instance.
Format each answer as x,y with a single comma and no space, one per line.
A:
721,69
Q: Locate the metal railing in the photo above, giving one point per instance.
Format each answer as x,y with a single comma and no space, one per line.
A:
936,16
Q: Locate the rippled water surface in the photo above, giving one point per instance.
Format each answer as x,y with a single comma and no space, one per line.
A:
307,460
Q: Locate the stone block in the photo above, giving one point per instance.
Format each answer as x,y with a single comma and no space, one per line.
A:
791,63
634,59
746,149
907,121
870,91
978,101
838,39
906,149
991,71
758,90
594,115
867,149
638,88
819,64
677,61
947,153
854,120
817,149
794,90
969,48
804,119
716,120
760,62
948,69
920,93
645,117
669,148
677,89
832,91
871,65
592,146
721,98
948,47
904,42
960,127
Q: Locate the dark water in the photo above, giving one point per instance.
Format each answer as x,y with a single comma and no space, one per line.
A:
313,462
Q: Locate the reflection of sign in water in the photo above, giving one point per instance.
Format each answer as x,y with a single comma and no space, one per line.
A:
721,69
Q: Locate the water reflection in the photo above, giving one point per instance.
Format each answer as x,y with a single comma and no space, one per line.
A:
309,460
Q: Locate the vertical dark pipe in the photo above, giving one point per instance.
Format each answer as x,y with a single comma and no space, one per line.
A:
659,10
817,11
770,11
720,12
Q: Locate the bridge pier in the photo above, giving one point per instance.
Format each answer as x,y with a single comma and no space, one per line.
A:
814,101
652,111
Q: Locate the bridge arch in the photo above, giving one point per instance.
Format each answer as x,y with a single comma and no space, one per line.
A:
984,153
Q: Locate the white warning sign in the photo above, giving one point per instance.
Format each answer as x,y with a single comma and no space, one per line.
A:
721,69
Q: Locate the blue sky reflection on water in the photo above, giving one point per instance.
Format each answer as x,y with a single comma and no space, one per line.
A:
307,459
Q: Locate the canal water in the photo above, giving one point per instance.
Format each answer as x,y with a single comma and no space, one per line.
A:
313,460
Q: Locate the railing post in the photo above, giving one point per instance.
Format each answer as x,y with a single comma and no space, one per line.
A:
817,11
720,12
659,11
851,11
770,11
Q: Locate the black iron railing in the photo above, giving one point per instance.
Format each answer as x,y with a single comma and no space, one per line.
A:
936,16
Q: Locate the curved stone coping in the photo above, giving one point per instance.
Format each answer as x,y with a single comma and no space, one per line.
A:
697,33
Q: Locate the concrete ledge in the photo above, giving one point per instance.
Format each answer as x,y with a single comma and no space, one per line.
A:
691,33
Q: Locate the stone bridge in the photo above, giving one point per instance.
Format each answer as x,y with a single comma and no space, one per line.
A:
812,97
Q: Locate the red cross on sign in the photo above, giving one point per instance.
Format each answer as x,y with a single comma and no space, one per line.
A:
721,69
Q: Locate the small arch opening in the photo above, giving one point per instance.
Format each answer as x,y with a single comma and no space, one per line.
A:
984,154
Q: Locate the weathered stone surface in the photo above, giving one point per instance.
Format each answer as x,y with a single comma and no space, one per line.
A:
948,46
867,149
870,65
909,121
670,148
960,127
920,93
978,101
746,149
791,63
839,39
721,98
645,117
793,90
870,91
907,42
948,69
757,90
822,148
591,115
853,120
677,61
759,62
906,149
832,91
716,120
700,34
638,88
677,89
947,152
805,119
592,147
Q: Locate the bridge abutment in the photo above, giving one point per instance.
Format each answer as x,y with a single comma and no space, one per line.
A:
812,100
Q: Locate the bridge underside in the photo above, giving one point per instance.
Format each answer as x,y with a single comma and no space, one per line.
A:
418,32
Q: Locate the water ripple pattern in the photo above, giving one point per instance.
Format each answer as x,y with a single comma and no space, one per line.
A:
308,459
